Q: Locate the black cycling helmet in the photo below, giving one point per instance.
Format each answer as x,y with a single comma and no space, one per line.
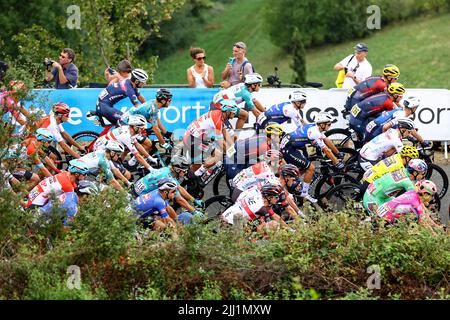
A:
290,170
271,189
163,94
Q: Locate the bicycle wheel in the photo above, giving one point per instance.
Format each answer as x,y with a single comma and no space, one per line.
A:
59,160
327,182
86,138
439,177
339,197
216,205
221,185
341,137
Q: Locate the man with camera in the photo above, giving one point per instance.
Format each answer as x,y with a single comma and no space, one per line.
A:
65,72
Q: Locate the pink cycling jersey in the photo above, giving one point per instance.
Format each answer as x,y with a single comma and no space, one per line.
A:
407,203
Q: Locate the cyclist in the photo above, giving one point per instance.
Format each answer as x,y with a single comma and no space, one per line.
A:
36,149
13,161
314,134
257,205
371,86
117,91
53,122
363,112
176,171
412,202
210,126
101,159
65,181
9,101
153,208
386,144
392,163
285,111
67,203
126,135
241,92
150,111
393,183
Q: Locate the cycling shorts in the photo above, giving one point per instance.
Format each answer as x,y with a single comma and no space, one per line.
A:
296,157
22,175
107,111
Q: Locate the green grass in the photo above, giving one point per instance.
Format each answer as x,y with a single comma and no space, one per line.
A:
420,47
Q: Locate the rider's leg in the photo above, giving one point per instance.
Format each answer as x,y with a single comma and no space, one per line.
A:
242,118
112,114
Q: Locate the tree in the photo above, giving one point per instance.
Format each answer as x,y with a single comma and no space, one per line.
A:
299,58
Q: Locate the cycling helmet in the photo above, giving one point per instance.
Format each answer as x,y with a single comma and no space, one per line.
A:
253,78
411,152
137,120
274,128
426,186
290,170
139,75
87,187
417,165
167,184
396,88
61,108
43,134
228,105
113,145
76,166
323,117
411,102
391,70
179,162
297,95
271,189
163,94
405,123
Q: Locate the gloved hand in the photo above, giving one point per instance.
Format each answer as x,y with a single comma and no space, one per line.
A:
340,155
339,165
152,160
426,144
167,146
168,134
198,203
197,213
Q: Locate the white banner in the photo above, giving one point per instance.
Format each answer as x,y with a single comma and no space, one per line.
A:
432,118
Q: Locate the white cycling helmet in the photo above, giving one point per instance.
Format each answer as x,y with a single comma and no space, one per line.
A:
323,117
139,75
113,145
297,95
167,184
137,120
411,102
253,78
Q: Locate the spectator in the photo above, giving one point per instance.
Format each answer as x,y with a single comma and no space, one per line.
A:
357,67
237,67
65,72
123,72
200,75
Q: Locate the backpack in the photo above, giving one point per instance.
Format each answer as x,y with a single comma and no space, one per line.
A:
241,70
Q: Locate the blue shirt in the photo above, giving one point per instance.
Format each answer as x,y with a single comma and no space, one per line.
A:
117,91
148,109
70,72
67,201
151,204
150,181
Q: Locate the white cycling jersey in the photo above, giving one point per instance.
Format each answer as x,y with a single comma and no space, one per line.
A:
120,134
375,149
97,160
256,175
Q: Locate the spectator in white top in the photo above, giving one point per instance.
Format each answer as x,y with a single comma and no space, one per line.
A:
356,66
200,75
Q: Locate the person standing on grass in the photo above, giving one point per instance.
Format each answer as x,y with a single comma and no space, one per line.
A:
237,67
200,75
357,67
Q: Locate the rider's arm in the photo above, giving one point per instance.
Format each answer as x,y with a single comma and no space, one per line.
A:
327,149
158,133
184,204
172,214
259,106
120,176
141,98
416,135
116,185
185,194
387,126
69,138
68,150
139,158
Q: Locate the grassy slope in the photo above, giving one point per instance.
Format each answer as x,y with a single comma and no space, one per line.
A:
421,48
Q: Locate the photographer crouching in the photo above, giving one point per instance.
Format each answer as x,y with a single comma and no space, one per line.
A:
65,72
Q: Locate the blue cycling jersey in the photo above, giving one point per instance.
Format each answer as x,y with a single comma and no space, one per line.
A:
276,114
150,181
151,204
117,91
148,109
298,138
67,201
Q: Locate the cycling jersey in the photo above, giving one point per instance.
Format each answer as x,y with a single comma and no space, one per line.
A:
10,110
151,204
365,89
120,134
303,135
256,175
49,122
97,160
250,204
67,201
372,106
148,109
238,92
375,127
392,163
407,203
150,182
283,112
386,188
374,150
117,91
209,123
57,184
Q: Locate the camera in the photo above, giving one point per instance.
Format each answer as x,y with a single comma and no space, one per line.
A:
48,62
274,80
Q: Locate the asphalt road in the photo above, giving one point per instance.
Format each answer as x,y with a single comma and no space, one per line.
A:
445,202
